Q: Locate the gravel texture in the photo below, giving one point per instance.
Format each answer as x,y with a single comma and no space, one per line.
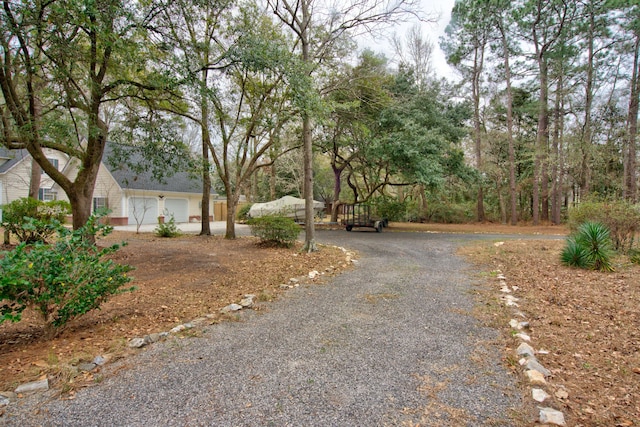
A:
388,343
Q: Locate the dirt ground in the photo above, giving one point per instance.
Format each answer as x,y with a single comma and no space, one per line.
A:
588,321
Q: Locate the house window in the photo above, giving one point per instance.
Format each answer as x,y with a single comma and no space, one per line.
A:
100,203
47,194
54,162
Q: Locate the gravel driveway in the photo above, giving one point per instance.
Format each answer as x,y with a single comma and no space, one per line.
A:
388,343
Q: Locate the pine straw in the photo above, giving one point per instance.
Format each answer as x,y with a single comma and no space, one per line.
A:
587,320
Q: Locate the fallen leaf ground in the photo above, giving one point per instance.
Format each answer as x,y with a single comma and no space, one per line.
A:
588,321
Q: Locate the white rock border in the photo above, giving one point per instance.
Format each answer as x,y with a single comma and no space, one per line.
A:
533,370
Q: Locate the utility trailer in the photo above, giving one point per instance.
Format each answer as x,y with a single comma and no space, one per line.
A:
359,215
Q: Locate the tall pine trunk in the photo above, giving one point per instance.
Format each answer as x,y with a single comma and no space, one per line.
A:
542,140
478,62
630,190
588,103
512,156
556,166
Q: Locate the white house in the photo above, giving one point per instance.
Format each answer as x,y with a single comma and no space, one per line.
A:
132,198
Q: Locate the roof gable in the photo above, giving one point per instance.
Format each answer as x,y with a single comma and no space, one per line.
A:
10,158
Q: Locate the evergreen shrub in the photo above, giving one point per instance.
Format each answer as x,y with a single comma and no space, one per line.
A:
168,228
62,280
391,208
32,220
274,230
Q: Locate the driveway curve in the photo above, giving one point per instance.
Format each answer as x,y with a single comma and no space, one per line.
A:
388,343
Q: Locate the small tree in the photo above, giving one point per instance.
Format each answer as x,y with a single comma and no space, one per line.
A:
139,211
60,281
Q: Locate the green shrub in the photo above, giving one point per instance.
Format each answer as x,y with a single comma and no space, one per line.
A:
450,213
590,248
243,212
621,218
274,230
46,217
390,208
167,229
62,280
634,256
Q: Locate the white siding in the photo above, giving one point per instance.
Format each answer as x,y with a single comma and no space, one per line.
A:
16,181
107,187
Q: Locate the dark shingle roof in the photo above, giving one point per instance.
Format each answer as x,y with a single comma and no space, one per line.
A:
14,157
181,181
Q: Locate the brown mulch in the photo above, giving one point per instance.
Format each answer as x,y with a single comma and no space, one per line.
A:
587,320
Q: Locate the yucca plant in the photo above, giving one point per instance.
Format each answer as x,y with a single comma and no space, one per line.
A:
596,238
590,248
574,254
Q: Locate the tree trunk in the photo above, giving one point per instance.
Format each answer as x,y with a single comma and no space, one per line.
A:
253,196
555,178
309,226
36,170
81,204
205,226
503,207
232,206
586,132
81,191
542,140
272,181
512,155
337,188
34,182
478,61
424,203
544,184
630,185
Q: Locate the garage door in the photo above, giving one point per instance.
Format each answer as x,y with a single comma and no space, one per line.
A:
143,210
179,208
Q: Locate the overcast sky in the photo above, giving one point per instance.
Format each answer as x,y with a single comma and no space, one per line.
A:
442,8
